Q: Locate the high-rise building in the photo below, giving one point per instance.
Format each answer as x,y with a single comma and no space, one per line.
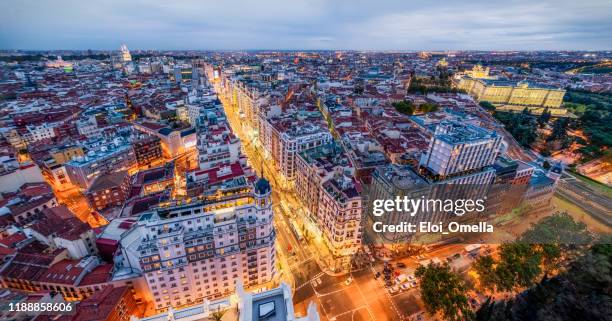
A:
198,250
290,138
460,150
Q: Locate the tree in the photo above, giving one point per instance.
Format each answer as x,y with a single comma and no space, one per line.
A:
580,293
428,107
559,228
404,107
484,266
525,111
217,315
519,266
544,118
443,291
522,126
556,235
559,129
487,105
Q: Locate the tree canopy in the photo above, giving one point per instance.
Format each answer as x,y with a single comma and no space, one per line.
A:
580,293
404,107
443,291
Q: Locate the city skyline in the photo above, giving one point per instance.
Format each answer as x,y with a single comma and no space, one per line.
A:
312,25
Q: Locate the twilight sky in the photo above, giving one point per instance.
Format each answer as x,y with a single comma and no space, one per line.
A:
310,24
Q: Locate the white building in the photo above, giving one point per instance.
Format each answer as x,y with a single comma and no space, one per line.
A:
174,141
87,127
58,228
13,175
275,304
217,145
458,148
40,132
340,214
125,54
198,250
283,139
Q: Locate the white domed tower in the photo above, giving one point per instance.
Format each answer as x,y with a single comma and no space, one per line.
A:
125,54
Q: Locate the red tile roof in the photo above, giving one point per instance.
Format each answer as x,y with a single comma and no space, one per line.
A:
106,181
101,274
101,304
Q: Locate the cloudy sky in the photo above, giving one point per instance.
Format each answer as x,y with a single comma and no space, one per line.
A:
311,24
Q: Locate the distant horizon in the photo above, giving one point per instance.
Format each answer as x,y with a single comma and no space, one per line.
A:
360,25
317,50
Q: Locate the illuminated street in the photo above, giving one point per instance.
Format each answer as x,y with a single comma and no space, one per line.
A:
365,298
317,161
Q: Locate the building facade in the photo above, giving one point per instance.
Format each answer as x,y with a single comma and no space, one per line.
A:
515,96
458,148
197,251
109,190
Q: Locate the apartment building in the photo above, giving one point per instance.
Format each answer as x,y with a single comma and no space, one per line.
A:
109,190
101,158
147,150
340,215
198,250
314,167
217,145
174,141
289,137
391,181
59,228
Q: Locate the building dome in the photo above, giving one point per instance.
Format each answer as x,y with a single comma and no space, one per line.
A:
262,186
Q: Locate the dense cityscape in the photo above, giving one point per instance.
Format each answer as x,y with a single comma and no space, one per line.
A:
238,185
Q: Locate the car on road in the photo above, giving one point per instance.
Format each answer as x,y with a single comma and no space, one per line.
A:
394,289
401,278
348,281
453,257
401,265
377,275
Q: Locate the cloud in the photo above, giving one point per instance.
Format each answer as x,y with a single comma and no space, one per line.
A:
314,24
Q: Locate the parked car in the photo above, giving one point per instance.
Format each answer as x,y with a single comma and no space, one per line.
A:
394,289
401,278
